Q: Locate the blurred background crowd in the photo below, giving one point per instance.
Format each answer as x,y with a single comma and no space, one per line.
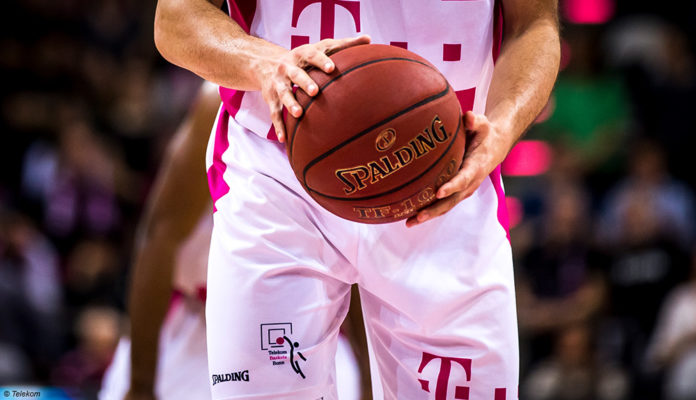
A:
601,195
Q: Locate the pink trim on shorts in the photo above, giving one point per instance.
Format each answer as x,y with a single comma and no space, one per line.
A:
174,302
202,294
216,183
503,217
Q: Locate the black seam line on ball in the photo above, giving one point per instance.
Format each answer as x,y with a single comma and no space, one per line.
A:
344,73
368,130
444,153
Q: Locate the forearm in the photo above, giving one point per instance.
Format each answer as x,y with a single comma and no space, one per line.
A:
524,75
196,35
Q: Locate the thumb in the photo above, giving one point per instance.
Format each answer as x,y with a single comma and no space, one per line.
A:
472,121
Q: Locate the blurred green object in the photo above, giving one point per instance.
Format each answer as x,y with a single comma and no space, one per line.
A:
591,116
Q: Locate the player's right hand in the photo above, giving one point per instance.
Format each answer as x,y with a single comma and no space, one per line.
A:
277,76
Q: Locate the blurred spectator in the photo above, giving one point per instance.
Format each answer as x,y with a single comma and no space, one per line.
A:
558,283
672,201
131,112
15,366
658,62
38,170
94,275
574,372
97,330
84,183
81,193
673,345
84,96
30,294
643,265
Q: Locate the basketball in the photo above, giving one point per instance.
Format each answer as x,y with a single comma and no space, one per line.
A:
383,133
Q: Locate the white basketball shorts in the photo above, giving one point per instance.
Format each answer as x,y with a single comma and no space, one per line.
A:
438,299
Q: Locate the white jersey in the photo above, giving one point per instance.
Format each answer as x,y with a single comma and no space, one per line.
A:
460,37
457,36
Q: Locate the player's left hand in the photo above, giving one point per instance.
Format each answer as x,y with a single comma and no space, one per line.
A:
486,147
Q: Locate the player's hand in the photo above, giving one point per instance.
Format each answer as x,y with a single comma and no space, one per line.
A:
279,74
486,147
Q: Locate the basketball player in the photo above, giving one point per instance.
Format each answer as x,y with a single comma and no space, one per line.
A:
438,298
171,257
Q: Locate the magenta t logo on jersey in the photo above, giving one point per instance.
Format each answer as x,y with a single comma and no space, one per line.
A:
328,14
460,392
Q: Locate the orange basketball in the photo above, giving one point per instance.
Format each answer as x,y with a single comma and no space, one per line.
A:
384,132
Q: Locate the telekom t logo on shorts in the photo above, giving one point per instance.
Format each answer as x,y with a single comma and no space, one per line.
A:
460,392
446,365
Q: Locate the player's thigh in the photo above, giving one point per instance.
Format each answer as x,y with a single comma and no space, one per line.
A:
439,303
272,326
275,298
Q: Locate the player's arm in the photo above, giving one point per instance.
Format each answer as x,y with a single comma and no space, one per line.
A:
177,201
523,77
198,36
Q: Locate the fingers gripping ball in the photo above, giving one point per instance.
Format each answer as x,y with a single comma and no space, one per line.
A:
384,132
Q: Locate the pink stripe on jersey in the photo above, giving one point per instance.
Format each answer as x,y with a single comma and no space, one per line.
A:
271,135
216,183
232,100
497,29
242,12
503,217
495,176
466,98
